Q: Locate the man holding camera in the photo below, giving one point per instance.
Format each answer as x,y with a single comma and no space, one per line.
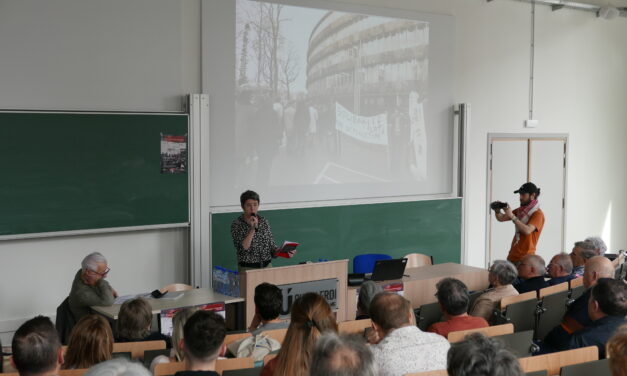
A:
528,221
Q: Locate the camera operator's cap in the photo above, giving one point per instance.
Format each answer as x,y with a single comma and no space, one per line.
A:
527,188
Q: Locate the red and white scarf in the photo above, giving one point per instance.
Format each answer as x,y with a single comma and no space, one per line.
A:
524,214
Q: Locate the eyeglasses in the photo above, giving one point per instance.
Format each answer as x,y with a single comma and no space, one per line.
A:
101,274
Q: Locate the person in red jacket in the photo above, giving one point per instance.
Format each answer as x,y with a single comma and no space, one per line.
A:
453,298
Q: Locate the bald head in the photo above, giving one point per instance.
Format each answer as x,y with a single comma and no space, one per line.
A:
597,267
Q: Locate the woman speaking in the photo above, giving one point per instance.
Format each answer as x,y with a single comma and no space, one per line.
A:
252,235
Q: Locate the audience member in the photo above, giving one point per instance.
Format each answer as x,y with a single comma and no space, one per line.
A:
576,317
36,348
91,342
599,245
560,269
607,308
203,342
134,322
582,252
268,304
90,287
453,299
403,347
311,316
531,271
617,352
367,291
345,355
118,367
178,324
501,275
479,355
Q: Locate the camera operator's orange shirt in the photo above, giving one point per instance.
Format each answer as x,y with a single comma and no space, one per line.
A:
526,245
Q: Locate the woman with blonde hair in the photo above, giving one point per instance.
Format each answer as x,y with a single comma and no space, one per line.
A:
311,316
91,342
176,353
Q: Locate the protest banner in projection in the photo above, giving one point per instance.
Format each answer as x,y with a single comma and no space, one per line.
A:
371,129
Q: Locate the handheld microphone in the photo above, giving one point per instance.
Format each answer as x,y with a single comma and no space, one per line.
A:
256,224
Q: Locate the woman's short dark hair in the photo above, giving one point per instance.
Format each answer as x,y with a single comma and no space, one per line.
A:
134,319
248,195
268,300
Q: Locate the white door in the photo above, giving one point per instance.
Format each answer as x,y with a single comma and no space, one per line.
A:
512,162
547,170
509,171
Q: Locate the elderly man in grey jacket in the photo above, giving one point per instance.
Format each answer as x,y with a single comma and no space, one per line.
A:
90,287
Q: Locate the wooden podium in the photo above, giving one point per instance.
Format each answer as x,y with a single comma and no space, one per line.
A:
295,274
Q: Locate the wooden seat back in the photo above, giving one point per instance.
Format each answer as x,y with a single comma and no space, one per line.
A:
490,331
415,260
517,298
235,363
137,348
552,363
354,326
552,289
166,369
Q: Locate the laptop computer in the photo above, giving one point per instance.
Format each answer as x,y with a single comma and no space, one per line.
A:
385,270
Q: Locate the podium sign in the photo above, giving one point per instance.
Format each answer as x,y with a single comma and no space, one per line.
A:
292,291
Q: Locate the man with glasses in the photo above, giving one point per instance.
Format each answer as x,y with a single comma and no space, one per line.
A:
560,269
90,287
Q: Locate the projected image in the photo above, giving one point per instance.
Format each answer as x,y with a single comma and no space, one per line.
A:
329,97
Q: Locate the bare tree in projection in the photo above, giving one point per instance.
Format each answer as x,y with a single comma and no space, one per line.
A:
289,66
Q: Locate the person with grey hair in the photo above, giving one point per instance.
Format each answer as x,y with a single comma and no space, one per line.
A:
560,269
582,252
367,291
90,287
342,355
453,299
599,244
479,355
577,316
501,275
118,367
531,271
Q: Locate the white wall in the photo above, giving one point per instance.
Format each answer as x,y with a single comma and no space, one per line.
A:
94,55
580,89
145,54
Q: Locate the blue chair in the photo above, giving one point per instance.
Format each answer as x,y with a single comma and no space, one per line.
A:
365,263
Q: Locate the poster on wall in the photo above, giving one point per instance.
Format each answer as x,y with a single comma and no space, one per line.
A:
173,154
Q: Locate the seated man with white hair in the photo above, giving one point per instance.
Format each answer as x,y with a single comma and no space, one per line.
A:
90,287
599,245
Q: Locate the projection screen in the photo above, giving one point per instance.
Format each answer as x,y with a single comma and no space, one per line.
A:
317,100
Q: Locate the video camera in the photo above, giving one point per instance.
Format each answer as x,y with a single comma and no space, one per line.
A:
498,205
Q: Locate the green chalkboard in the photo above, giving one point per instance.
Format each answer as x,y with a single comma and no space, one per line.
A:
432,227
80,171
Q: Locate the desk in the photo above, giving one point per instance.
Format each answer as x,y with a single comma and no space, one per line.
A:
419,287
190,298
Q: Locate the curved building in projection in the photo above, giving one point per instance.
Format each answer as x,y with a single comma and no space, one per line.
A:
365,63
